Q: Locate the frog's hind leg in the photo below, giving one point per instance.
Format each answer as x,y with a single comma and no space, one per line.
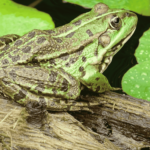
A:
26,84
6,39
55,87
23,96
50,82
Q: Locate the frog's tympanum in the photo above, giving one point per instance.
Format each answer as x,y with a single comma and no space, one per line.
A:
53,66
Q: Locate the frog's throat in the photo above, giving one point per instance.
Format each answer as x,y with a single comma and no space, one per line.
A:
103,66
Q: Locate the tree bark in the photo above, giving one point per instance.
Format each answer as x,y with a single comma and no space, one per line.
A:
119,122
122,119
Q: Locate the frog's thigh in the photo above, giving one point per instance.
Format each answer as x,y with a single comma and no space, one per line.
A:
58,83
69,85
94,80
45,81
62,84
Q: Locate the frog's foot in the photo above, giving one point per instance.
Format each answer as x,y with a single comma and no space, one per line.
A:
6,39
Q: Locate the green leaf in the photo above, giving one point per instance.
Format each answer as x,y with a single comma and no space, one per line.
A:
19,19
141,7
136,82
143,51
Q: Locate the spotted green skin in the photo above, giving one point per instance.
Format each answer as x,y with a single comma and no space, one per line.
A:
53,66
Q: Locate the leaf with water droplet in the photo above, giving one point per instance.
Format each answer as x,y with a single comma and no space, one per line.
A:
136,82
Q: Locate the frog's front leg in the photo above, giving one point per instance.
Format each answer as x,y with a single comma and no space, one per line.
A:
95,80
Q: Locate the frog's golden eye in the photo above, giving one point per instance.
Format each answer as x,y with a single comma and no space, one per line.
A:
115,23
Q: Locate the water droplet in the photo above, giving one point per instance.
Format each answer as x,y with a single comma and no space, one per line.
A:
137,86
144,74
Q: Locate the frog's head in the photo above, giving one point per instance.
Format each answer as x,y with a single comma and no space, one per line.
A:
118,26
99,34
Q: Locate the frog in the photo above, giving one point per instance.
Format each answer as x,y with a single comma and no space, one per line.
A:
54,66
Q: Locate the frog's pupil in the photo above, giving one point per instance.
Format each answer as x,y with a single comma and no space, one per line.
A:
116,20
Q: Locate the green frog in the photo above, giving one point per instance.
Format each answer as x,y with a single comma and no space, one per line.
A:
53,66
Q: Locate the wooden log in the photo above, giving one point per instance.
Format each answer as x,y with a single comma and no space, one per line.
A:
122,119
35,128
119,122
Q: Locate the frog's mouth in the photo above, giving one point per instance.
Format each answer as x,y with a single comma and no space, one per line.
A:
108,58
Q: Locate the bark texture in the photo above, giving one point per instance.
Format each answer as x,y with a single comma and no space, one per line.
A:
120,122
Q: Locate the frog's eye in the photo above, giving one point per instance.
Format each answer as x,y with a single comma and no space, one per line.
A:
115,23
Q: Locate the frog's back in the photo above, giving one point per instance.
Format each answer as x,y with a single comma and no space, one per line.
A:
43,45
40,45
76,35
